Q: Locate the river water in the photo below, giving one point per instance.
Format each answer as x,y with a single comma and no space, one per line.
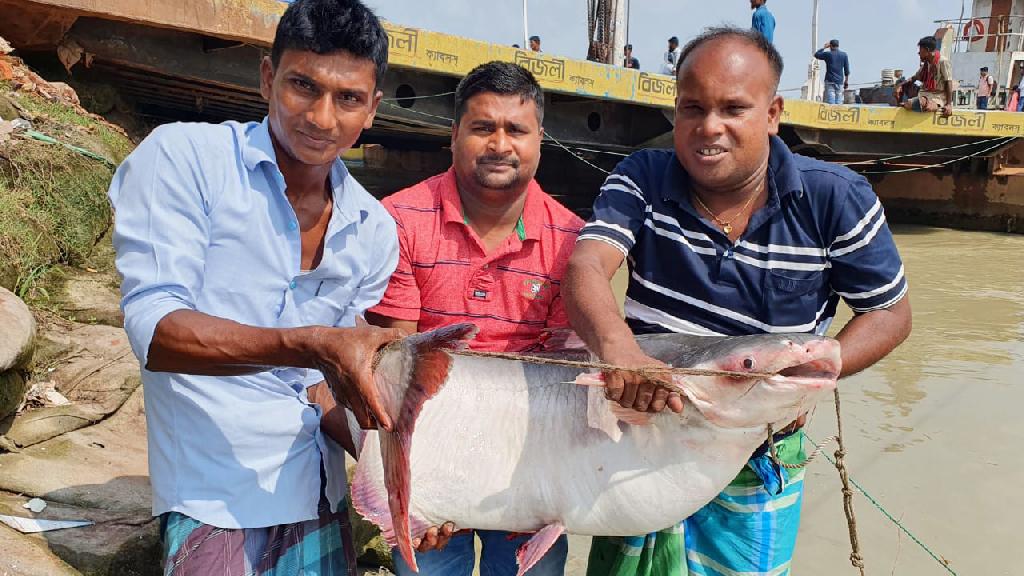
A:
934,432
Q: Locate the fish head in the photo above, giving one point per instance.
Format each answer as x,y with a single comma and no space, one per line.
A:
803,368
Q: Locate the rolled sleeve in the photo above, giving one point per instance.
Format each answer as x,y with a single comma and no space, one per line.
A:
161,231
867,271
401,299
619,210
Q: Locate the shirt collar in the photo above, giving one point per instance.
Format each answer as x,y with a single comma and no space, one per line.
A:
259,148
530,222
783,175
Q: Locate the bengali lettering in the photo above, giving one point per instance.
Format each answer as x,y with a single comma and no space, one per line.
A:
403,40
657,85
443,57
582,81
836,115
548,68
881,123
1010,128
971,121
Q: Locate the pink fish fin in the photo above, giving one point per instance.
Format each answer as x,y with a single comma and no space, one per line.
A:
599,417
629,415
590,379
429,371
556,339
370,502
537,546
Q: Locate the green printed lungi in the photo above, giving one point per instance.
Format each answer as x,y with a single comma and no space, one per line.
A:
745,529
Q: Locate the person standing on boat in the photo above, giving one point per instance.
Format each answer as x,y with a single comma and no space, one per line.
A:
986,88
837,71
629,61
762,21
671,58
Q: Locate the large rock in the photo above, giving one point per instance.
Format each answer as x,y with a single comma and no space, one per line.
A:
92,366
17,334
89,297
97,473
24,555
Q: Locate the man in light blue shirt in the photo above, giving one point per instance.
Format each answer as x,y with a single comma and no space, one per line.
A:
762,21
837,71
247,251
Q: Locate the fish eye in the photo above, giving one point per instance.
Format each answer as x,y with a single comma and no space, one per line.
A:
748,363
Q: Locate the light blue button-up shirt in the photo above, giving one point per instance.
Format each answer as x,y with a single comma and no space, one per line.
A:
202,223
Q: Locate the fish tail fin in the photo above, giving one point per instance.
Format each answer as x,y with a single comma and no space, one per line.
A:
411,377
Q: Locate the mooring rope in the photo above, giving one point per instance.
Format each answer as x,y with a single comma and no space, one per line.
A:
935,556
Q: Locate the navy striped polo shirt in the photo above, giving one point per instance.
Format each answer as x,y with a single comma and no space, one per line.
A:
821,235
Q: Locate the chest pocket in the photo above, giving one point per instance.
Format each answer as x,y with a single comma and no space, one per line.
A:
325,301
792,297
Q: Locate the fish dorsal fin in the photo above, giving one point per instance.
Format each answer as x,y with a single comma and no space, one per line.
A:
425,364
555,339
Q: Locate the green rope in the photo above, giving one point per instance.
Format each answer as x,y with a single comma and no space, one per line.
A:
888,515
50,140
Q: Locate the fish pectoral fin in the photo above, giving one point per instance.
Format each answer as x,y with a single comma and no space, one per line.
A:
536,547
423,378
371,502
629,415
589,379
599,417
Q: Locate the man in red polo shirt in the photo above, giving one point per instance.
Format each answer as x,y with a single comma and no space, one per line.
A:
483,243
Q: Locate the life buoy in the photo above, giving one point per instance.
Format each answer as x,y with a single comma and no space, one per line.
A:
974,30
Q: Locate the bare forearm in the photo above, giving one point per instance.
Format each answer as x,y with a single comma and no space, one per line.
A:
592,310
333,420
191,342
869,337
406,326
949,93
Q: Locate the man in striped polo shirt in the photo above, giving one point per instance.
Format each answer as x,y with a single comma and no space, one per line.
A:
483,243
730,233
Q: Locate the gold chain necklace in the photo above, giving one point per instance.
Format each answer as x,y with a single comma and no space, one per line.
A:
727,224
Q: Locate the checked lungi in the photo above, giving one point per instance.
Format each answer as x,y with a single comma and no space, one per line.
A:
322,546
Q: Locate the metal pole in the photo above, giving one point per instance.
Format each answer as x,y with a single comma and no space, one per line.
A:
812,68
814,28
526,28
629,9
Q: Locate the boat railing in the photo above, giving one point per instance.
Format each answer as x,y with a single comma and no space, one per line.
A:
972,29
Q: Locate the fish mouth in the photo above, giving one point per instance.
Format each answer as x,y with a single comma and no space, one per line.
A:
823,370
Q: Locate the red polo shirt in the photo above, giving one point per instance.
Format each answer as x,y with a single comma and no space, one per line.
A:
444,275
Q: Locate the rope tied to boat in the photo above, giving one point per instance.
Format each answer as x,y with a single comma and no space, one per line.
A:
856,558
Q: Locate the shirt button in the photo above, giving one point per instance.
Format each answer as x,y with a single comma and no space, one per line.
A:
292,225
292,284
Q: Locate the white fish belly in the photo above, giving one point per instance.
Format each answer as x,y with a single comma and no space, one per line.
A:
509,446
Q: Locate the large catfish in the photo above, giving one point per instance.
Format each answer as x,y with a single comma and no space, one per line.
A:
508,445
